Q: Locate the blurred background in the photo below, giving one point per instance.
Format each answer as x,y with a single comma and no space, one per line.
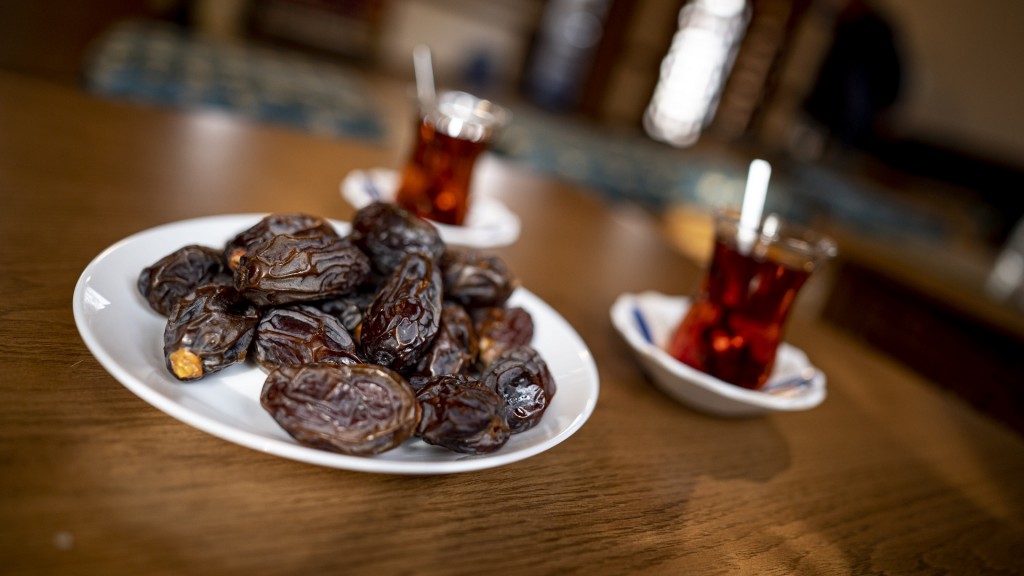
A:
894,124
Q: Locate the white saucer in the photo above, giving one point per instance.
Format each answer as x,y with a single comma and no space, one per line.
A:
646,322
489,223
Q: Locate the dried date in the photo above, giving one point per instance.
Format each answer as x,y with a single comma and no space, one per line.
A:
387,233
360,409
522,378
500,329
454,349
208,331
288,269
476,280
301,334
349,308
274,225
179,273
461,415
403,319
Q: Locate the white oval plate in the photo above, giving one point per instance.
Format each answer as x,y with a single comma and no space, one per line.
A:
489,223
661,314
126,336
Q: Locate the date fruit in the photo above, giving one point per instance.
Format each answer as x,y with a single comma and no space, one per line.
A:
274,225
288,269
387,233
208,331
461,415
179,273
454,349
499,329
403,319
476,280
349,308
301,334
360,409
522,378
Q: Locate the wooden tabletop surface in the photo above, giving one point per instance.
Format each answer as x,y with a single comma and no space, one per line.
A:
888,475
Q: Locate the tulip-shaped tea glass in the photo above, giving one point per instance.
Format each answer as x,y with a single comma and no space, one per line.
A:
735,321
453,131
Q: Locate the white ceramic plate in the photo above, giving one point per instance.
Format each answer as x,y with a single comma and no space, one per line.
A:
661,314
489,223
125,336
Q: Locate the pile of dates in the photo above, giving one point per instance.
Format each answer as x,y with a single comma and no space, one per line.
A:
366,339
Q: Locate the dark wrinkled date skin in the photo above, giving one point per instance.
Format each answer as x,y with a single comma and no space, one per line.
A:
288,269
454,350
501,329
274,225
301,334
387,233
461,415
349,308
476,280
402,321
208,331
179,273
360,410
522,378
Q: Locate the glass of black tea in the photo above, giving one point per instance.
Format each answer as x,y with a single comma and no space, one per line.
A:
735,322
451,133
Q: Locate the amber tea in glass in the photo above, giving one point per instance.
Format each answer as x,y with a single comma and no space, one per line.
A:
734,325
451,134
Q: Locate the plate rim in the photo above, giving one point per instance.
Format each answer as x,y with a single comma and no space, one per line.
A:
289,449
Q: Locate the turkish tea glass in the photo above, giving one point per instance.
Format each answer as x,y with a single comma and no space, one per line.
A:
451,134
735,322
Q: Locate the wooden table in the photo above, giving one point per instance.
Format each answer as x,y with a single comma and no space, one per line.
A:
887,476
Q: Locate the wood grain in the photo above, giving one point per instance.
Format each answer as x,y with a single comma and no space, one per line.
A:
889,475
